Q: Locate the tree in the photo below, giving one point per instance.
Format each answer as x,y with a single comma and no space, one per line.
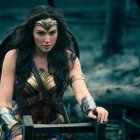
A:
114,28
51,3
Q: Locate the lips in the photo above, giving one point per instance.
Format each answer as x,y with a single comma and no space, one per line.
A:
46,46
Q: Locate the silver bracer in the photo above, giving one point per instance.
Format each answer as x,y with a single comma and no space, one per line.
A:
87,104
7,116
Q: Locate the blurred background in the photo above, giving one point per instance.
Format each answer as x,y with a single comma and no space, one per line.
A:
108,34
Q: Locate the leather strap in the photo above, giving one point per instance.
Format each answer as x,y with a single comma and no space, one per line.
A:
53,102
26,108
39,81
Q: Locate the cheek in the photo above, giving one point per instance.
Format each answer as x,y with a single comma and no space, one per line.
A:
54,39
37,40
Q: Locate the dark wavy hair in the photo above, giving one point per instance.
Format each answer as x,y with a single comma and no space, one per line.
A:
58,57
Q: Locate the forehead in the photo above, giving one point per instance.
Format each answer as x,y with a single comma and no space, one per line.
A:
46,24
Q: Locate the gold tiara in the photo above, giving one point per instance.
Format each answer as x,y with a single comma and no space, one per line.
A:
46,25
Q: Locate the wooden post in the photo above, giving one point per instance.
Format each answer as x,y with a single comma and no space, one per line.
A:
100,131
27,128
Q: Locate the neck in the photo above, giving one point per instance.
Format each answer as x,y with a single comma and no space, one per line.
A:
41,62
39,53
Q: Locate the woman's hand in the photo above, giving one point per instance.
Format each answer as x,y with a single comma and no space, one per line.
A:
18,137
99,113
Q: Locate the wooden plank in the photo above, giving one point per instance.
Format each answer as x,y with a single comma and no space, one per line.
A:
65,128
31,129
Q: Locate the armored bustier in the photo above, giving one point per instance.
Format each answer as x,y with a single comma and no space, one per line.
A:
31,101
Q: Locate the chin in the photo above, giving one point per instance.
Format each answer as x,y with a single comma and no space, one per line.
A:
46,50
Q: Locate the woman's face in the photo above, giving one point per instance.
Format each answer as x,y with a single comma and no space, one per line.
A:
45,34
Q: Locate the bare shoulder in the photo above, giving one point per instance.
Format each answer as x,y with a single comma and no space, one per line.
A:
77,64
10,59
11,54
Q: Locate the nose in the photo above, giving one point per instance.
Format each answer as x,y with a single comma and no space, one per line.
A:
47,38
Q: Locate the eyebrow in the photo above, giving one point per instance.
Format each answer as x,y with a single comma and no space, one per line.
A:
52,30
41,30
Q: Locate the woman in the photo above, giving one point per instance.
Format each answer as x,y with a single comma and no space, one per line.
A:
38,71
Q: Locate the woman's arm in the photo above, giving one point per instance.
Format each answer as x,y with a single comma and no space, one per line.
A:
83,96
7,79
6,94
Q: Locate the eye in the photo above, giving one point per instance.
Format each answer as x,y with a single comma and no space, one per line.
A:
52,32
41,33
